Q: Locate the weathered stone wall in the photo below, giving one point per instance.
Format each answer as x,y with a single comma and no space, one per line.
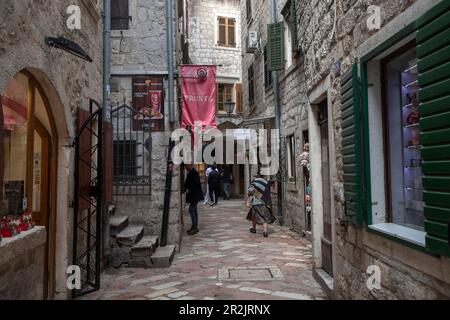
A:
143,47
22,266
142,51
68,81
292,99
406,272
203,48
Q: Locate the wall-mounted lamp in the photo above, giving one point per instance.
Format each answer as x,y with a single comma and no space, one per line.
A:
69,46
230,106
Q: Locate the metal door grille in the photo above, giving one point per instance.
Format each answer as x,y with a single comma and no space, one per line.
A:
88,200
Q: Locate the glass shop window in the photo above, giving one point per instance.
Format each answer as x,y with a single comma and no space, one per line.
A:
395,146
403,144
15,114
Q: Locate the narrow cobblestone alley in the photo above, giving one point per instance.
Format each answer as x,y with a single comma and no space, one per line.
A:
224,247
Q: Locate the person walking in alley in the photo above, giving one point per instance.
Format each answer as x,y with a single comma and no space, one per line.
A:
194,195
214,185
259,202
227,179
207,198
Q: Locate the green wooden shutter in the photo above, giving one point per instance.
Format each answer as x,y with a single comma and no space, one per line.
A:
433,52
351,145
275,33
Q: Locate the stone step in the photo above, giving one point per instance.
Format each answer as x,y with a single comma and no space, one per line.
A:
119,257
130,236
145,247
163,257
117,225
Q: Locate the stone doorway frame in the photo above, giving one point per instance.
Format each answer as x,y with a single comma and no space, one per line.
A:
321,92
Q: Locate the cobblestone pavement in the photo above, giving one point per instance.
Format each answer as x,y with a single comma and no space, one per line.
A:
273,268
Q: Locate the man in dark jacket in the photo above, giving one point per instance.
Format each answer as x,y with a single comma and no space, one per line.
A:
214,185
227,180
194,195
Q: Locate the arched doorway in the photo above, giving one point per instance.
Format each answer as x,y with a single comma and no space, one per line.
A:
28,161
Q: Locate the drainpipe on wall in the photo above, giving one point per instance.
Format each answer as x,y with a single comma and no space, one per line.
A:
170,60
276,89
106,59
106,110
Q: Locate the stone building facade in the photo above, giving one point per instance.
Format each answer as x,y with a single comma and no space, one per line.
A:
34,264
202,41
139,54
332,37
260,110
352,239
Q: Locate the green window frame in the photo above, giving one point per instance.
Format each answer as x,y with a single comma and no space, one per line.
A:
432,33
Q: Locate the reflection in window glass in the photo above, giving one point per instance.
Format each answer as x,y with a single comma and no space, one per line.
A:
404,146
14,107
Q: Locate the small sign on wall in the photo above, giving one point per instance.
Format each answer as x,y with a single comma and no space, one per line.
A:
148,100
375,19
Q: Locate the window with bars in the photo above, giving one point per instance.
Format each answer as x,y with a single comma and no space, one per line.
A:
267,72
125,158
120,17
251,85
224,93
226,32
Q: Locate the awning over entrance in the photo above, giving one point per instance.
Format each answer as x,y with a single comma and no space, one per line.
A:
249,122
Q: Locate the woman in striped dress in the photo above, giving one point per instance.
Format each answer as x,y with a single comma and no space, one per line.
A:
260,204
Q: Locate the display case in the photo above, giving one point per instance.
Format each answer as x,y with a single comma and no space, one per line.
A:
413,188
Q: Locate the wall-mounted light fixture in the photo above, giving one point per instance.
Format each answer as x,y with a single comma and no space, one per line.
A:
69,46
230,106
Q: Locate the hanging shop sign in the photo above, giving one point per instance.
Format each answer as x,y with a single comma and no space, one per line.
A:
199,96
148,103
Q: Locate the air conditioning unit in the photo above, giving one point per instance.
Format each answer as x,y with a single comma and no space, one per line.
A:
252,42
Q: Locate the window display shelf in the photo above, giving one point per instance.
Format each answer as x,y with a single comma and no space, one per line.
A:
418,147
411,69
412,85
413,189
413,167
413,125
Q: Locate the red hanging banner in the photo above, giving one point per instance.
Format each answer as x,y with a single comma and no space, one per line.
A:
199,96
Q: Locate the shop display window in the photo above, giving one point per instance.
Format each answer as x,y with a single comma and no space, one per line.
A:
25,164
14,105
404,173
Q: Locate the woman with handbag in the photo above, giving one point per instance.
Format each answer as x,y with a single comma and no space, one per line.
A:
260,204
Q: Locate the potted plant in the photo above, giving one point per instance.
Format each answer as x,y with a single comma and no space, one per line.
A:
10,227
14,225
26,222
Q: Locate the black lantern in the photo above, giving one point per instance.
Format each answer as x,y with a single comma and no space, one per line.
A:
69,46
230,106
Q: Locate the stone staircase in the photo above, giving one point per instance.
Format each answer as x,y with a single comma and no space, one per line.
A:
131,248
